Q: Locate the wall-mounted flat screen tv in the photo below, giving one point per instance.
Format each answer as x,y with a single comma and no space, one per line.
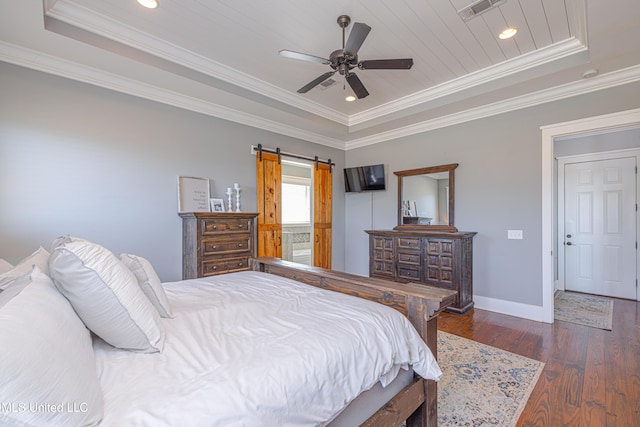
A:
364,178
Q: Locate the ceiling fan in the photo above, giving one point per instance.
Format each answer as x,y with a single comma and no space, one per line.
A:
344,60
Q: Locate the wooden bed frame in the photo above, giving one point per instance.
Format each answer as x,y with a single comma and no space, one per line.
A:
417,403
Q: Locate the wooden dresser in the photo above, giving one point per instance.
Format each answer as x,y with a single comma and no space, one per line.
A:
216,242
442,259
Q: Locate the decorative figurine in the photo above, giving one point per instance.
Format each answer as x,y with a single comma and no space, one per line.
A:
237,188
229,193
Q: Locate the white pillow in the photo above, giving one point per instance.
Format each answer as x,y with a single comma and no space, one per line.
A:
149,282
106,295
5,266
39,258
61,240
47,367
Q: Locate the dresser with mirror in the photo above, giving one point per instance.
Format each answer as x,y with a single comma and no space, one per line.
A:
426,247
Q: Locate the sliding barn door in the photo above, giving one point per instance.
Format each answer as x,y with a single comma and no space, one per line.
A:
269,195
322,196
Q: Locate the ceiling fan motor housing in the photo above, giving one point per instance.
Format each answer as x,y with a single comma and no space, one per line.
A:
341,62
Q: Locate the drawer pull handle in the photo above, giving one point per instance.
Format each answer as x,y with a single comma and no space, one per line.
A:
240,245
214,247
215,267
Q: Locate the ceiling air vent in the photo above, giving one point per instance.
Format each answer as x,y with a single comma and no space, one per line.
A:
327,84
477,8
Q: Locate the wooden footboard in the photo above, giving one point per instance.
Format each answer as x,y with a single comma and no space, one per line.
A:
417,403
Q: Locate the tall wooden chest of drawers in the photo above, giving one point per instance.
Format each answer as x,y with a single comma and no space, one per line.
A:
442,259
216,242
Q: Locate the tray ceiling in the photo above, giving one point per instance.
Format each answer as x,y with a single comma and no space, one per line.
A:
221,57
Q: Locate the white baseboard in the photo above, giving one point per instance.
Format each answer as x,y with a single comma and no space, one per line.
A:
525,311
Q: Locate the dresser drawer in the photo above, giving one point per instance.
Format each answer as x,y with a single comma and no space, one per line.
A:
227,265
408,243
224,225
217,246
409,258
406,272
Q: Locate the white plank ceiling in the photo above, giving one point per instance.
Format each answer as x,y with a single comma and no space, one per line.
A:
223,55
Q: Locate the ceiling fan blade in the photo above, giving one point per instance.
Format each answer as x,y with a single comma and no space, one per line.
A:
386,64
303,56
356,85
358,33
306,88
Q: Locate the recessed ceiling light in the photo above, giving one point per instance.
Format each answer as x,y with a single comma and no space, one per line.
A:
507,34
150,4
350,98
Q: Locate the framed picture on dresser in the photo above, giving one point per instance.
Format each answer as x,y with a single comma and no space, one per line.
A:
193,194
217,205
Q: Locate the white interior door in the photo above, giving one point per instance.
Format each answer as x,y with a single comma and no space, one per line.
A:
600,227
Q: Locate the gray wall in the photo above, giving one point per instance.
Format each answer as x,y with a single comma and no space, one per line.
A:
80,160
77,159
497,187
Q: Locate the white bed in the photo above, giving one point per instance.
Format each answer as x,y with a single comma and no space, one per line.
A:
88,338
254,349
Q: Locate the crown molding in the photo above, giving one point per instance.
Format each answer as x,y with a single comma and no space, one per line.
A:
608,80
577,13
88,20
39,61
484,76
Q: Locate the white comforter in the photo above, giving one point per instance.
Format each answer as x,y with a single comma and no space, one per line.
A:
253,349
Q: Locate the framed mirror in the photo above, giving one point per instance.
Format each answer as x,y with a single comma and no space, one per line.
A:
426,198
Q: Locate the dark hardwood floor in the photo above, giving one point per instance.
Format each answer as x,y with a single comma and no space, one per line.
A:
591,377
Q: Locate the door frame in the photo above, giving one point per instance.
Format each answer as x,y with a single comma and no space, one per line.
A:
578,158
549,134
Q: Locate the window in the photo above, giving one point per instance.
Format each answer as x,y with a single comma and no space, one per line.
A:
296,200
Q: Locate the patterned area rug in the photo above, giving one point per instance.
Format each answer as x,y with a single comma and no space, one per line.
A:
482,385
583,309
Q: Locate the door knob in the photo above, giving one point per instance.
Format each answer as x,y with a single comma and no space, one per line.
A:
569,235
569,244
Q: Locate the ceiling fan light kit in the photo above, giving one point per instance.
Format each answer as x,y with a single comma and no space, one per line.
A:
344,60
